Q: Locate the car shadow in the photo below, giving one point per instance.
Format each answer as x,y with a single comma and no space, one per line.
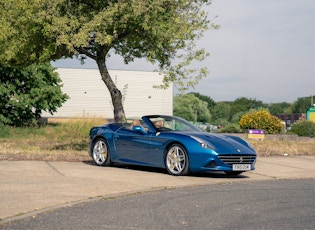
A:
131,167
163,171
218,175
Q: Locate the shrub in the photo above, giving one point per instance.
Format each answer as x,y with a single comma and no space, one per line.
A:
26,92
231,128
303,128
261,119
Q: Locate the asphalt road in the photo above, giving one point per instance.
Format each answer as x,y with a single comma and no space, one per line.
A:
272,204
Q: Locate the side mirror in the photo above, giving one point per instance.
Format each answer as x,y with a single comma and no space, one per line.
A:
139,129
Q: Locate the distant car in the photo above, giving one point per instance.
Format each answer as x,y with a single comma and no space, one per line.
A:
172,143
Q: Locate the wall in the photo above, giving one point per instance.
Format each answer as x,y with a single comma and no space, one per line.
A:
89,97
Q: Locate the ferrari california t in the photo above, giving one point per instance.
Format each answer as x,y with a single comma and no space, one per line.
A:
171,143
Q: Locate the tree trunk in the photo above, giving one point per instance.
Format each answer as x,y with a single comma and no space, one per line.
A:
119,113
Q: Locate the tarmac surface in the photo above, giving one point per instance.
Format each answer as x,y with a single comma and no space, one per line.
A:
31,187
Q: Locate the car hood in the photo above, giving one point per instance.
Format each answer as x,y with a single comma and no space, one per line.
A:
226,143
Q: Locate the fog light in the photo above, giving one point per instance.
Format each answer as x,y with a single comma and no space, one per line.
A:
211,164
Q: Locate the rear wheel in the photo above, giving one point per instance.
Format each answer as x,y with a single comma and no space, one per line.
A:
100,152
176,160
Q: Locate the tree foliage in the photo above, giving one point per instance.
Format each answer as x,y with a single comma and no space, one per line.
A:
301,105
280,108
221,111
26,92
191,108
244,104
209,100
161,31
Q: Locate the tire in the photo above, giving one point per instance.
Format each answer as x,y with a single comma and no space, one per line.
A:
100,152
177,161
233,173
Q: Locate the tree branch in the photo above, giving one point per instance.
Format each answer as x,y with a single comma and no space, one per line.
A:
81,50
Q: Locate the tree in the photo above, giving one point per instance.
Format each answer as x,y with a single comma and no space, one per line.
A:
25,93
209,100
301,105
221,111
243,105
279,108
191,108
161,31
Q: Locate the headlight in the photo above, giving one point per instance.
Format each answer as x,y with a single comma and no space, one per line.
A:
203,143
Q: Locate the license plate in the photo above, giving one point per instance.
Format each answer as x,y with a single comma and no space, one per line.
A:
241,167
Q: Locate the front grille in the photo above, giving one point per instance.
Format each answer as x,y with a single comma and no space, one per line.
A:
231,159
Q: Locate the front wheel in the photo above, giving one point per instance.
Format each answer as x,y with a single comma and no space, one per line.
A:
100,152
176,161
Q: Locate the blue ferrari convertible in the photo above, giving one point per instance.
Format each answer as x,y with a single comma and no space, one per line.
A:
172,143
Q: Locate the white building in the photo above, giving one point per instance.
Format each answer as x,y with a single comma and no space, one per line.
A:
89,97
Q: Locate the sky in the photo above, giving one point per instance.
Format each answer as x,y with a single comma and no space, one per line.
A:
264,50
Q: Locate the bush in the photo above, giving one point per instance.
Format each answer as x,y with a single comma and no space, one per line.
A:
303,128
26,92
261,119
231,128
221,122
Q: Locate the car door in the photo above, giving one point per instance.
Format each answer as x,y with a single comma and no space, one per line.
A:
132,147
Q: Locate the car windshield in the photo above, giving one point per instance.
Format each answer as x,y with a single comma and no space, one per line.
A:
169,123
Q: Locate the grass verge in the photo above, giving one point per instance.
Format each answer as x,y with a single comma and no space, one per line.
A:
62,140
269,148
